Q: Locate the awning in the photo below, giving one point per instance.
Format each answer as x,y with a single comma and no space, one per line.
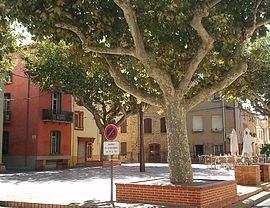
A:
86,139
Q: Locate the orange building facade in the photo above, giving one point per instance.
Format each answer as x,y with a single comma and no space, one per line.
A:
37,125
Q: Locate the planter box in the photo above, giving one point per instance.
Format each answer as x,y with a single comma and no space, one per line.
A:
201,194
248,175
265,172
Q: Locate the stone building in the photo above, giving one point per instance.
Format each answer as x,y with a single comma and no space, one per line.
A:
209,128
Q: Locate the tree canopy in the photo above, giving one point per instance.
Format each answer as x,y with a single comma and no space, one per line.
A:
7,43
60,67
188,49
255,84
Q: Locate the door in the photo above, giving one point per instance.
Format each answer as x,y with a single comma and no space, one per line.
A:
81,152
154,153
88,151
199,150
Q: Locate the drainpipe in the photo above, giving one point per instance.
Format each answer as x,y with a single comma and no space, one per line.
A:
223,124
27,123
2,167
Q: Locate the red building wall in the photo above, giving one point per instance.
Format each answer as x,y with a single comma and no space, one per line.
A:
29,135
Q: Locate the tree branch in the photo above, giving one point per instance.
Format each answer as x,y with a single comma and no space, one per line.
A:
132,24
87,48
256,24
264,107
147,59
206,46
227,80
94,112
123,118
124,84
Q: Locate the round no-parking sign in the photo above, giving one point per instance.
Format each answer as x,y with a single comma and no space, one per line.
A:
111,132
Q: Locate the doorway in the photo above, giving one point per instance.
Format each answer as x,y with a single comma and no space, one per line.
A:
154,153
199,149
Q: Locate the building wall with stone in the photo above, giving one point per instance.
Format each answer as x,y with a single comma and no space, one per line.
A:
205,141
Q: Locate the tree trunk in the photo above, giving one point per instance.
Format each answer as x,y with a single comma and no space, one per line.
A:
102,156
178,148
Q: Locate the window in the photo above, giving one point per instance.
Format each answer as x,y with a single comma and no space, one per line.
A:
56,102
162,125
124,127
89,150
55,142
8,77
123,148
217,123
218,149
147,125
197,124
7,112
78,120
5,142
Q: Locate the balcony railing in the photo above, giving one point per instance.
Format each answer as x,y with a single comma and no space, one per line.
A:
7,116
63,116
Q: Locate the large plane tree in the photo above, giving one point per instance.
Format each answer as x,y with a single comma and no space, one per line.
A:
191,49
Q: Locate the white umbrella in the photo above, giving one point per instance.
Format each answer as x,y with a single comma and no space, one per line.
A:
247,143
234,143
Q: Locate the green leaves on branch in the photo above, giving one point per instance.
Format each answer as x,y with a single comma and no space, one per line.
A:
59,66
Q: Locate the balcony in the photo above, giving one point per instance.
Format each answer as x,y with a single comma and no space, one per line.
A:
7,116
63,116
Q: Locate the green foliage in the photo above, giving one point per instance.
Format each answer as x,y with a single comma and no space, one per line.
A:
165,24
266,150
59,66
255,84
7,44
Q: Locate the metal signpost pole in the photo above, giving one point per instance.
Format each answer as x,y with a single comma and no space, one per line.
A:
111,179
111,148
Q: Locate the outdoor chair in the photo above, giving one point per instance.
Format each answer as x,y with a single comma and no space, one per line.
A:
222,161
210,160
230,162
238,160
255,159
246,161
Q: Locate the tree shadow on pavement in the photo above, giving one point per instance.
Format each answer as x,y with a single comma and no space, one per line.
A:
100,204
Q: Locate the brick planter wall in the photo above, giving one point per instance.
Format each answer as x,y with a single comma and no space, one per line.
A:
248,175
265,172
218,193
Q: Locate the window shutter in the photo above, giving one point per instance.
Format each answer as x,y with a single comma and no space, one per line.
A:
124,127
123,148
217,123
147,125
162,125
197,123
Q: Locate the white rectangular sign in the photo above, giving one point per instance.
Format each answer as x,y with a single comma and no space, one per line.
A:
111,148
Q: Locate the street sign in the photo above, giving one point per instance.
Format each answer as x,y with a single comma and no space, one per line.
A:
111,132
111,148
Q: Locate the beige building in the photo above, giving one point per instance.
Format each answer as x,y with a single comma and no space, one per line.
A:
209,128
86,140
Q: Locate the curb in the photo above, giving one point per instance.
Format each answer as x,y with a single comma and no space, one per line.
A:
251,199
